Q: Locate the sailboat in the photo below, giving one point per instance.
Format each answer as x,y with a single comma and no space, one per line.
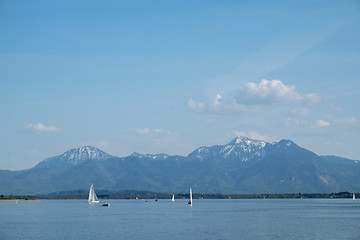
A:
353,196
190,201
92,195
173,198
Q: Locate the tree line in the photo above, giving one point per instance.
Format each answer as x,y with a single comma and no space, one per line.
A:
12,197
128,194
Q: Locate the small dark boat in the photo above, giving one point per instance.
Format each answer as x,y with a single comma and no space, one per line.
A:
106,204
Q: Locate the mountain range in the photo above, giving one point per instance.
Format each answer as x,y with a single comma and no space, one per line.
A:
242,166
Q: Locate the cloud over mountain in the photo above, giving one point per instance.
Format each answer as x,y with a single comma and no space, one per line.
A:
253,96
321,123
41,128
253,135
147,130
273,91
218,106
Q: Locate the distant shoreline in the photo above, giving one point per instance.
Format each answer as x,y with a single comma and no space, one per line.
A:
103,195
17,200
129,194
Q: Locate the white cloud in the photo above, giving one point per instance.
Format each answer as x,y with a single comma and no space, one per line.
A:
142,130
41,128
152,131
218,106
196,105
253,96
253,135
305,124
217,100
273,91
321,123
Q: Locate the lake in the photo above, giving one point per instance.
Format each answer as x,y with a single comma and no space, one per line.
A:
206,219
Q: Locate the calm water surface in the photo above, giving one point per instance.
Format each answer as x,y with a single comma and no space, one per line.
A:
206,219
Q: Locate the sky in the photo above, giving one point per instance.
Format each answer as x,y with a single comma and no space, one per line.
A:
171,76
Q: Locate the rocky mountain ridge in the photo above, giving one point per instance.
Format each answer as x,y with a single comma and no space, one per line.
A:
241,166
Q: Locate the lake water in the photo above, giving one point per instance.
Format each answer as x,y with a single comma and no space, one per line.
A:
206,219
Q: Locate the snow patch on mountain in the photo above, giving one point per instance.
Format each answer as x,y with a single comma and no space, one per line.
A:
159,156
244,148
241,148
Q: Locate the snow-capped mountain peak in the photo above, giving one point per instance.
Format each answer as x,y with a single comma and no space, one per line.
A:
245,141
75,156
82,154
240,148
244,148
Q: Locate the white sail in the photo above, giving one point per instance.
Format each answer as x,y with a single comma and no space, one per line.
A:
173,198
353,196
190,195
190,201
92,195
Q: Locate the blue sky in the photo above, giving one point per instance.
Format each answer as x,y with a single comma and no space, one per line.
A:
171,76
